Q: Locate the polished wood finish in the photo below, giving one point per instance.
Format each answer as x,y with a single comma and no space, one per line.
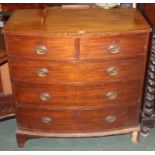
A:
58,48
62,48
89,95
80,120
76,22
97,47
77,72
80,72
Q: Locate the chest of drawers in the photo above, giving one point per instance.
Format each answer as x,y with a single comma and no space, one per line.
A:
76,73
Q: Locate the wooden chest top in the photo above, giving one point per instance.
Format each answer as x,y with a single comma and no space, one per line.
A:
76,21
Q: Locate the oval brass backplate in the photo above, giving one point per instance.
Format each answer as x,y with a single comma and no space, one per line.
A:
41,50
46,120
111,95
110,119
45,96
112,70
114,48
42,72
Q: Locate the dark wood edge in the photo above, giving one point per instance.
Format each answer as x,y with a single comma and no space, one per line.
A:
149,122
3,60
8,116
149,95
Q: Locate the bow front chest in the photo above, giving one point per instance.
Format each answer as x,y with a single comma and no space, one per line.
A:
76,72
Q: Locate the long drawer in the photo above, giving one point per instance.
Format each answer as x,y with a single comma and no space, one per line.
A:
47,72
76,121
90,95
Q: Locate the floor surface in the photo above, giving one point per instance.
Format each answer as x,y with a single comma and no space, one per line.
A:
118,143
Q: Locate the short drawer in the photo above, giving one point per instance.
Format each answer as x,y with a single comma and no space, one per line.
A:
41,48
46,72
76,121
89,95
113,46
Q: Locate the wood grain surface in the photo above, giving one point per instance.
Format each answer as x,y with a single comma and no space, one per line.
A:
77,71
76,21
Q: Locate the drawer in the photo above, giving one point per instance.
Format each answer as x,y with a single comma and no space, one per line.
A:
51,95
46,72
114,46
76,121
41,48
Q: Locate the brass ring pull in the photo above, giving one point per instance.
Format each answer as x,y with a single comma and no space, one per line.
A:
42,72
113,48
110,119
112,70
41,50
46,120
45,96
111,95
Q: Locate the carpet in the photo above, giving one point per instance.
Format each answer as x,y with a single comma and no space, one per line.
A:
107,143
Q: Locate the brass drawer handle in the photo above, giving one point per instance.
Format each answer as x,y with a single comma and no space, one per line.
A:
41,50
113,48
110,119
42,72
112,70
46,120
111,95
45,96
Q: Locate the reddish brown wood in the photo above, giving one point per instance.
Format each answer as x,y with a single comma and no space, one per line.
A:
76,72
58,48
76,66
68,121
66,96
81,21
63,48
97,47
22,138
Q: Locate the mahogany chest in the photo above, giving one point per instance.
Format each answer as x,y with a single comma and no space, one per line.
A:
77,72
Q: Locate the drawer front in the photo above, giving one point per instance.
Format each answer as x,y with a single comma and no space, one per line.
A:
44,72
114,46
50,95
67,121
41,48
